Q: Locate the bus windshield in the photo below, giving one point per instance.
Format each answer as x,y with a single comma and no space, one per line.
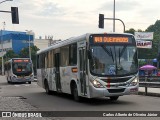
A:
113,59
22,68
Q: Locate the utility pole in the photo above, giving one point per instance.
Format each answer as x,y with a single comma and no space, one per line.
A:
114,16
2,50
29,32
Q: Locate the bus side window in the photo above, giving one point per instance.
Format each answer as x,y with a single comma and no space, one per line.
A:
64,56
73,54
38,61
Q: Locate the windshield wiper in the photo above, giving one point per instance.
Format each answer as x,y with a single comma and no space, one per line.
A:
109,52
106,50
121,53
112,55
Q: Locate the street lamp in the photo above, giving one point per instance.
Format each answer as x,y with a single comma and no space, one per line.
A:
29,32
5,1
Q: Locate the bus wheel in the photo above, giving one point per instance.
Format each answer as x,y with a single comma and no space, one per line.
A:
8,82
29,82
47,88
75,93
114,98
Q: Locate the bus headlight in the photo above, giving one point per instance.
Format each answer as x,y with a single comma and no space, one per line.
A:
31,75
14,77
134,82
97,84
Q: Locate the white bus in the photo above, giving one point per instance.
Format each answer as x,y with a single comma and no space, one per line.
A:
19,70
91,65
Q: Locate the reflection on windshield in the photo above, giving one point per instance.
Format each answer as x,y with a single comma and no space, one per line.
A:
113,60
22,68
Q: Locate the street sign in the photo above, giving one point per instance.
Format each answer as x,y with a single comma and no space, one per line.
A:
143,35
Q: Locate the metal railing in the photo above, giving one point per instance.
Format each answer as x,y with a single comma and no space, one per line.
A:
149,82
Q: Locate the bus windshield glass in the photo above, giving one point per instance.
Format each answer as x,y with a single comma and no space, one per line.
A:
114,58
22,68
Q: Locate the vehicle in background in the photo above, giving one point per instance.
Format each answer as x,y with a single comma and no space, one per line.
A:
19,70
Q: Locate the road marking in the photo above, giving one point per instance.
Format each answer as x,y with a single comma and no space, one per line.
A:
16,85
34,84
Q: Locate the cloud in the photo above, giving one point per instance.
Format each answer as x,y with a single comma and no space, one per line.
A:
50,9
74,17
120,6
40,8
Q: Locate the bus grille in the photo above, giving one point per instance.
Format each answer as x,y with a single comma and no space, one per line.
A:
116,80
116,90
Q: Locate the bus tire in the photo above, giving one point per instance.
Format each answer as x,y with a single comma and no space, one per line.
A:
47,87
75,93
29,82
114,98
8,81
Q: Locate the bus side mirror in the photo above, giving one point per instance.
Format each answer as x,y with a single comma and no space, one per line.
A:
89,54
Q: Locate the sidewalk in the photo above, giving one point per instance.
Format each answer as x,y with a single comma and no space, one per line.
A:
150,91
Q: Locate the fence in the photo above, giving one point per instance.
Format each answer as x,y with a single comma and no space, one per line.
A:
149,82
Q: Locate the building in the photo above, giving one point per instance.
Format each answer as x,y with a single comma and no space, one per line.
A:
41,43
44,43
14,40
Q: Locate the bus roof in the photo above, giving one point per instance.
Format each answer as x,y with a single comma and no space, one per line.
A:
73,40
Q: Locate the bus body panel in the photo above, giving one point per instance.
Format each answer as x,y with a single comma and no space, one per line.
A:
66,76
39,78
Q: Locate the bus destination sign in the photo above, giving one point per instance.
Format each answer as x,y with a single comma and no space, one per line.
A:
21,60
111,39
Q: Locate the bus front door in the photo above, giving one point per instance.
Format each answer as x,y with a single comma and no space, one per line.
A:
57,72
82,72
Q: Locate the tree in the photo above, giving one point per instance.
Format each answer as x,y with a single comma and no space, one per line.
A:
24,53
154,28
131,30
10,54
34,50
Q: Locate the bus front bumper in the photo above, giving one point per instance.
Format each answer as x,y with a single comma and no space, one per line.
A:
114,91
22,79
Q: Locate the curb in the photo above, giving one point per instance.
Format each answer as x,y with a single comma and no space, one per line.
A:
149,94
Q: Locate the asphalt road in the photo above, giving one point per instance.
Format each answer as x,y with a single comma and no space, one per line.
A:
36,96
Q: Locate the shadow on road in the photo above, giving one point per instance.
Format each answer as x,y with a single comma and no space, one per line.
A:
6,83
56,97
3,83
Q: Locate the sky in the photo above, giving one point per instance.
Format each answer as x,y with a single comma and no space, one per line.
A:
63,19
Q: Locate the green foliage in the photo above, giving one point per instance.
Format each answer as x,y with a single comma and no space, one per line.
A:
10,54
131,30
141,63
154,28
24,53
